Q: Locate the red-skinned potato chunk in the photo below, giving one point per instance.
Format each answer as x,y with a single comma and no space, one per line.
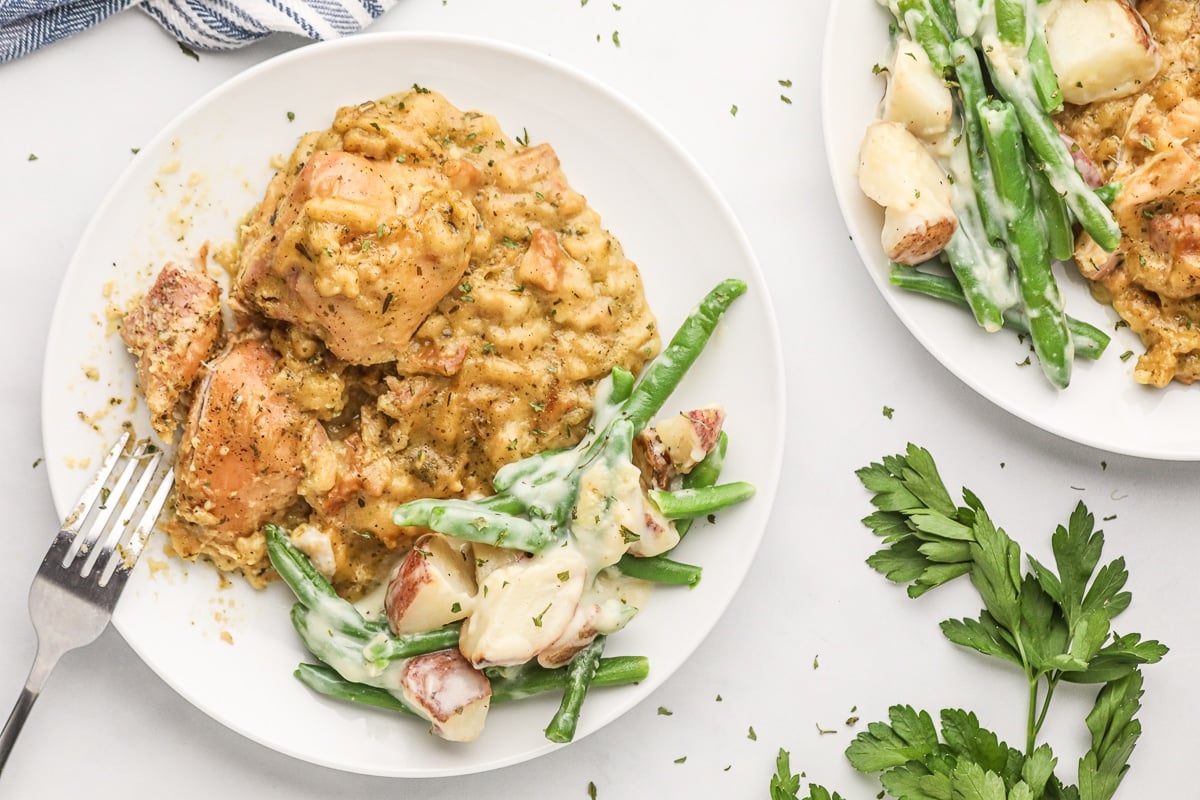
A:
444,688
433,586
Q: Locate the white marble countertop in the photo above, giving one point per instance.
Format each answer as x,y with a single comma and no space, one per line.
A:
814,638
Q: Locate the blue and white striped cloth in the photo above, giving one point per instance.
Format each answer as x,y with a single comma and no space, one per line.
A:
26,25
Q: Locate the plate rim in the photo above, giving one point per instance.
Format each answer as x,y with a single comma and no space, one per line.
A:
777,383
838,14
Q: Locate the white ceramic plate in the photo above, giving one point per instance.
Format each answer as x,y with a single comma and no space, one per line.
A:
1103,407
230,650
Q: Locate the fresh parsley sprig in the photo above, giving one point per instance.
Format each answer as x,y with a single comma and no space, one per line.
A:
1056,624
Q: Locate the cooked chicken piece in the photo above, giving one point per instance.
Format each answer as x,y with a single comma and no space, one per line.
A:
445,689
245,446
356,252
171,331
896,171
1100,49
916,96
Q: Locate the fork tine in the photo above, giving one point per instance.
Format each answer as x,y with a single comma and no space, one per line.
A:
109,503
120,563
87,499
128,509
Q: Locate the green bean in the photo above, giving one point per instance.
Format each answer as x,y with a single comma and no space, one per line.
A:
685,503
1052,210
311,588
326,680
333,646
925,31
659,569
1108,192
1045,82
580,673
1090,342
471,522
622,385
706,473
666,371
1043,137
1010,21
1039,293
517,683
513,683
971,88
943,12
382,649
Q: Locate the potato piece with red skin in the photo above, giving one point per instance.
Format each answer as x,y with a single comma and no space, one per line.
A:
444,688
433,586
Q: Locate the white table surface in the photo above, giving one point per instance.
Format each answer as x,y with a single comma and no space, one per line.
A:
813,639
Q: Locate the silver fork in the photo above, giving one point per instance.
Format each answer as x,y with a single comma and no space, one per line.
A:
75,590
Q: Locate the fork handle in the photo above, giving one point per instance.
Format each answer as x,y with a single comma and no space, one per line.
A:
16,720
43,662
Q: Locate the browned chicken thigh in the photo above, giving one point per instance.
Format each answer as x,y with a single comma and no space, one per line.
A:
357,252
171,331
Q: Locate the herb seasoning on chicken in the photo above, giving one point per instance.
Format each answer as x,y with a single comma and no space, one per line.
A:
419,300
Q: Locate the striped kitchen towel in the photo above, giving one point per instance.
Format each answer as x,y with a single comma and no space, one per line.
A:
26,25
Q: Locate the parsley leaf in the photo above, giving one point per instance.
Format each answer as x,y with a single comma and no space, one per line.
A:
1053,621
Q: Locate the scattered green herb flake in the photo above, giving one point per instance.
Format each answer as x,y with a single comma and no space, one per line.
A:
366,245
628,536
537,621
824,731
583,3
591,784
564,576
488,349
733,110
785,99
135,150
1024,363
291,115
720,699
681,759
851,721
33,157
400,159
785,83
365,534
816,662
457,607
663,711
511,244
420,89
616,37
616,7
751,735
37,462
104,495
1126,355
888,411
189,52
523,139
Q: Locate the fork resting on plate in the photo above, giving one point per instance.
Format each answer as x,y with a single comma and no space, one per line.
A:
76,588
